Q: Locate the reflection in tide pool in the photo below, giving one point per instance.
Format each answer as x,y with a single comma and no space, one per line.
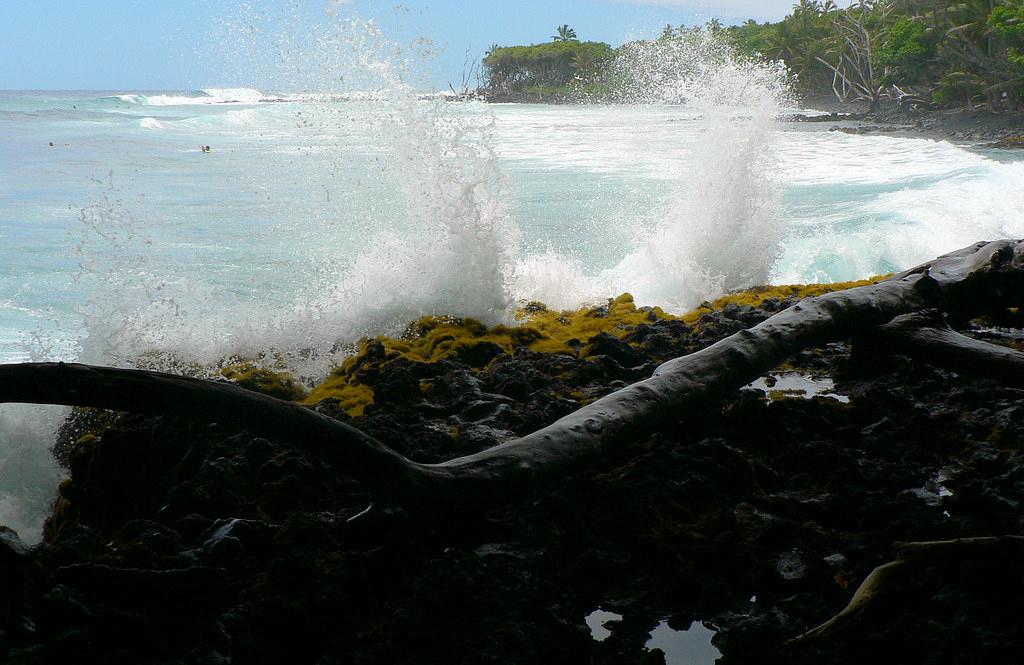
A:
597,620
684,647
681,647
794,384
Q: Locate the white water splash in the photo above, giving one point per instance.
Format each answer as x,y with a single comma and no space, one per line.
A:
720,230
440,239
28,473
447,247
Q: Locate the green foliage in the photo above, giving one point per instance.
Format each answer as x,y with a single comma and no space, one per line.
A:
753,38
550,66
1007,23
903,42
904,51
798,40
968,52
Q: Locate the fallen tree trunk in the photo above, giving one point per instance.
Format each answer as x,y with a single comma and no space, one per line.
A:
927,337
157,393
985,275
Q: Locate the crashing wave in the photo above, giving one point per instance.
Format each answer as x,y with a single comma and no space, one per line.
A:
196,97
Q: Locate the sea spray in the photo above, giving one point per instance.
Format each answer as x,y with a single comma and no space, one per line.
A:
452,248
28,473
720,229
438,240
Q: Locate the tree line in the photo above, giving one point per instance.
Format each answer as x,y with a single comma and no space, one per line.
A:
556,67
967,53
928,52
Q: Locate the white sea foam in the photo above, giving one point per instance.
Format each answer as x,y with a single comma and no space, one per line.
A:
234,95
894,203
202,97
150,123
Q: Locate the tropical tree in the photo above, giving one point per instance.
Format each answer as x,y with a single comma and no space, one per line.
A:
551,67
565,34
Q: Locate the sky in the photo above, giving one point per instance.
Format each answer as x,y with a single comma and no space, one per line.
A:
159,45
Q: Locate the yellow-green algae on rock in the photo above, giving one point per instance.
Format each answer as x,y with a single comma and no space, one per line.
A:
542,330
756,296
433,338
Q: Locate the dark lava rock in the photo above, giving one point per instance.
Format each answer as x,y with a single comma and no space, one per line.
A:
604,344
181,542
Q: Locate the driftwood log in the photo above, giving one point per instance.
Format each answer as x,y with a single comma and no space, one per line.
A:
909,313
978,279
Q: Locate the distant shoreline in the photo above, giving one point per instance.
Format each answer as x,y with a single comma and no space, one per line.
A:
996,130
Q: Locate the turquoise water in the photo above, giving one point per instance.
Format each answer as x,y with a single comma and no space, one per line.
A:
318,219
295,188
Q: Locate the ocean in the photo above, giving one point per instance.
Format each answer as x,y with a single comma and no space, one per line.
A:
315,219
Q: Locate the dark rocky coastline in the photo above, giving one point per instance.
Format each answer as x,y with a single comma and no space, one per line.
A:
979,127
179,542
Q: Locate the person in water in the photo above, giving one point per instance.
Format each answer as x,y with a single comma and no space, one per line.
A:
204,148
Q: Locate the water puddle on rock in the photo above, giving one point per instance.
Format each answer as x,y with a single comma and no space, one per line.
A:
596,621
691,646
786,385
684,647
934,489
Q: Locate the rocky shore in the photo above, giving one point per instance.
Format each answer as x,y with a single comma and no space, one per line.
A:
979,127
187,542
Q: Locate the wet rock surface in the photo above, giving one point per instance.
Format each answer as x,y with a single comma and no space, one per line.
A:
178,542
984,128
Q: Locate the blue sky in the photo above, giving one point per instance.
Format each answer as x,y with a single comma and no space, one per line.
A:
155,44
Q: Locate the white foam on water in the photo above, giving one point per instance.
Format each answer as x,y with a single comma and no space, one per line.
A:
234,95
201,97
151,123
906,201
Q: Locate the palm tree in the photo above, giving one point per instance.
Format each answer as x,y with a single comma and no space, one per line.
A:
565,34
